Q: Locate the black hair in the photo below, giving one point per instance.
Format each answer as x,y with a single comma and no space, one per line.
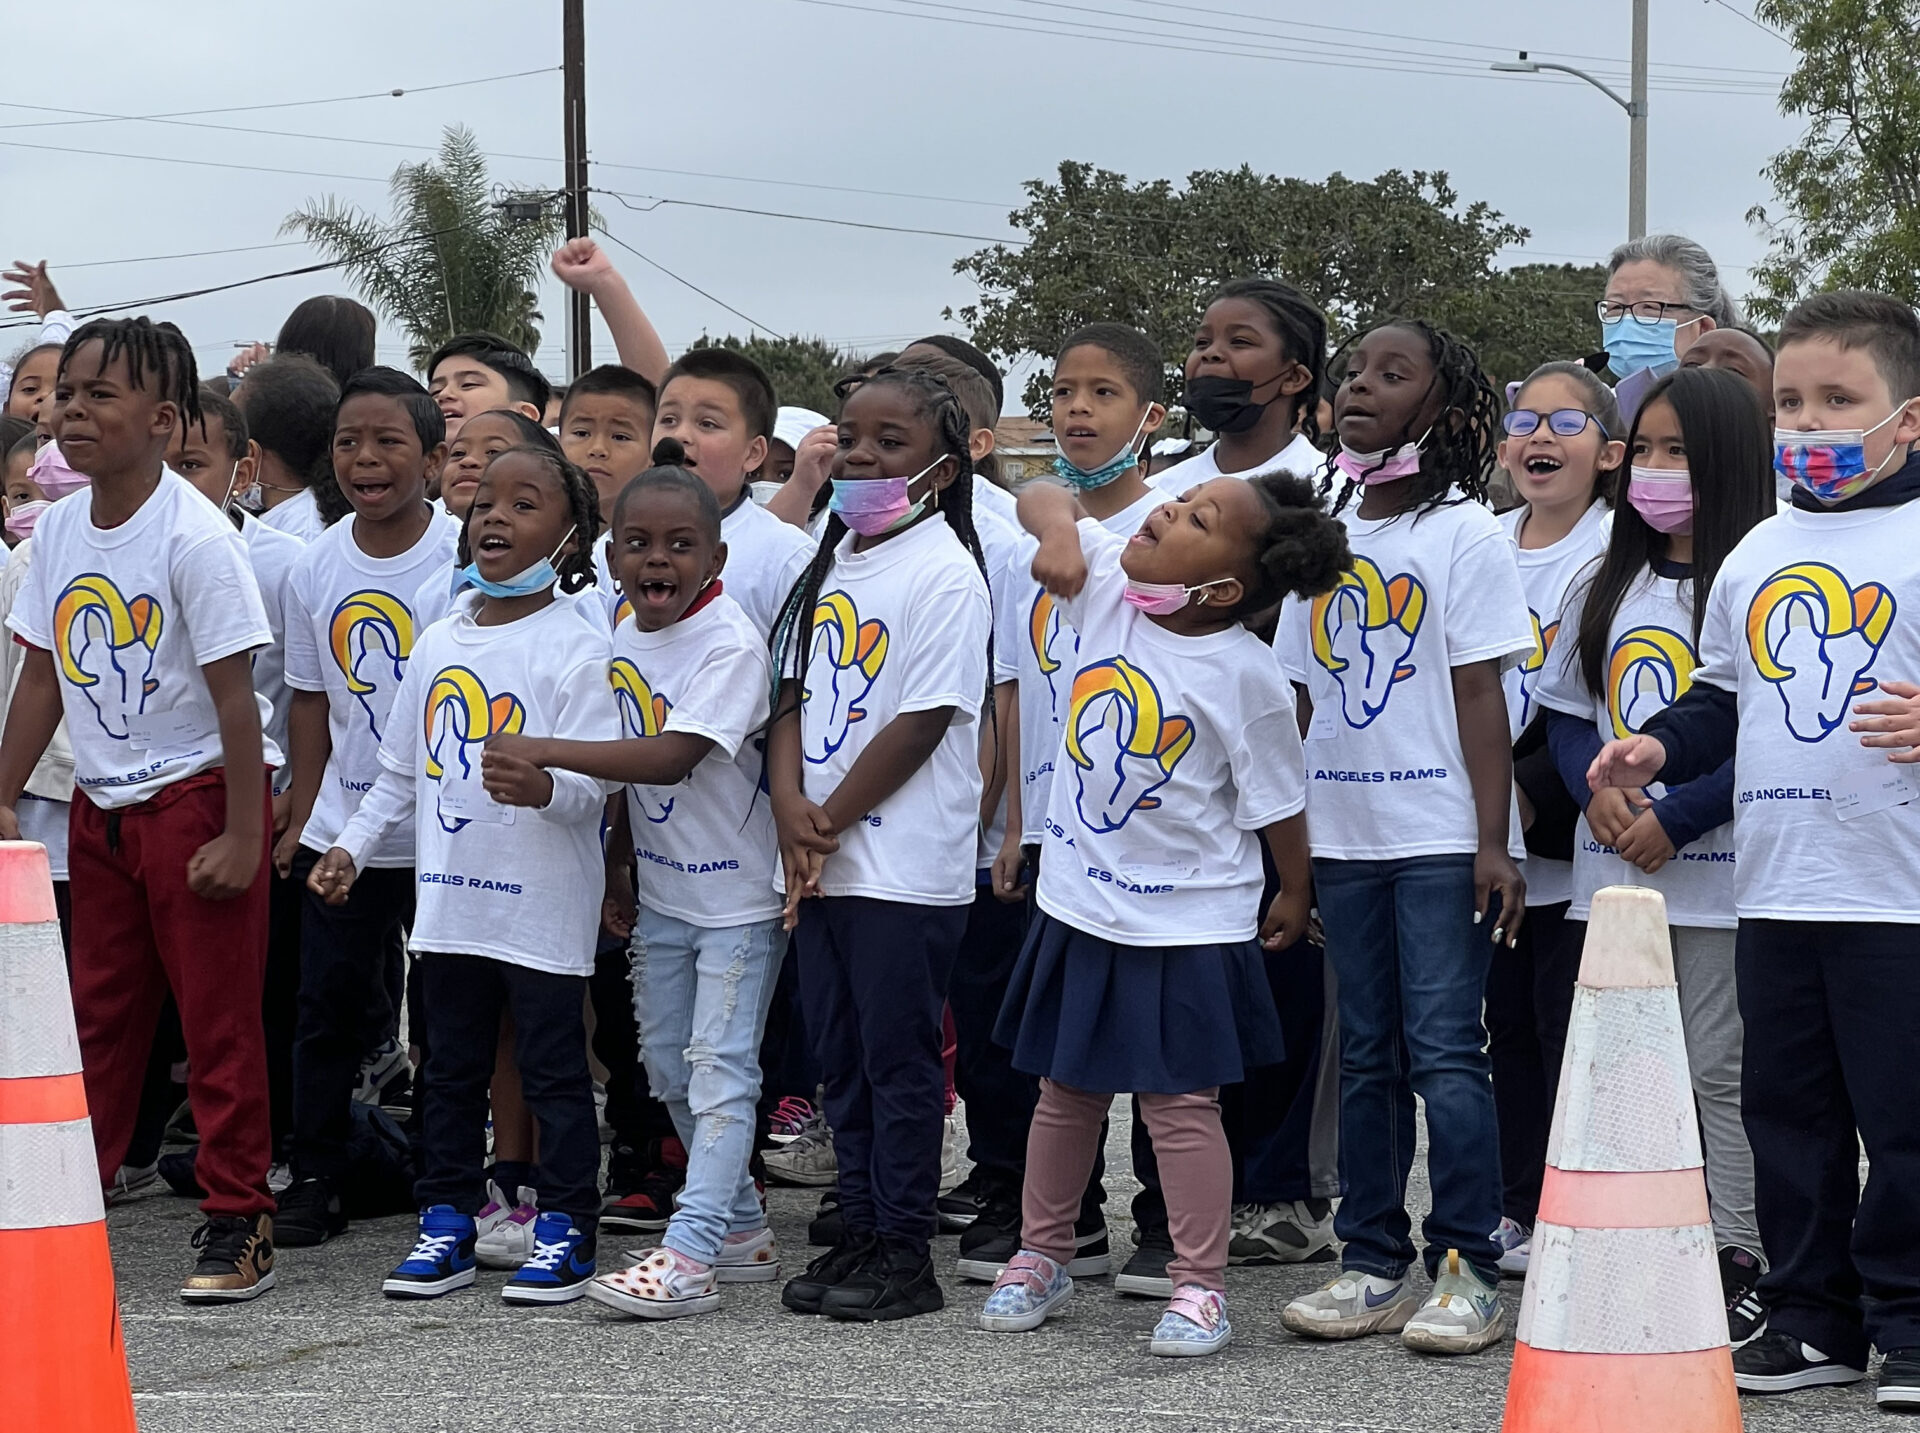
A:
289,402
747,379
14,432
1302,552
976,360
1140,362
218,406
1600,404
21,362
532,435
153,348
1458,453
428,421
935,401
1302,330
333,331
576,567
525,383
614,379
666,475
1859,318
1730,463
975,395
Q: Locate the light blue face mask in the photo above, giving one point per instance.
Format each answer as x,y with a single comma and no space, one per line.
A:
1632,345
537,578
1086,478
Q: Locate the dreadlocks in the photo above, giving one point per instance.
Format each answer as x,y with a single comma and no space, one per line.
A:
156,348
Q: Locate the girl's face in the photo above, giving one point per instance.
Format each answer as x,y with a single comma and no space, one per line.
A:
883,435
1657,440
1389,394
32,384
482,439
520,514
1549,470
1205,536
1237,339
19,488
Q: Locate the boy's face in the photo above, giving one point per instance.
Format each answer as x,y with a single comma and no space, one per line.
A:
779,464
663,556
608,435
377,457
462,385
1096,412
1818,386
106,425
204,460
1736,352
32,383
704,416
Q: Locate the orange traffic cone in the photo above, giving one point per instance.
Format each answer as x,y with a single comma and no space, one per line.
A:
65,1364
1623,1326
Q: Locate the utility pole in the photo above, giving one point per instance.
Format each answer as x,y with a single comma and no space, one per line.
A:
1637,128
573,64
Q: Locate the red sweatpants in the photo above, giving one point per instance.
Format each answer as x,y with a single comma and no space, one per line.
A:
138,932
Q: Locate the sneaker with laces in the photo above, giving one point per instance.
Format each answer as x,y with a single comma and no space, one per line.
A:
380,1069
748,1256
1350,1305
895,1281
1740,1271
1194,1325
506,1228
236,1260
1462,1313
1781,1363
130,1180
985,1248
967,1201
1899,1384
807,1159
559,1268
442,1257
662,1284
789,1118
1145,1275
1292,1232
309,1214
647,1206
1029,1287
1515,1242
805,1291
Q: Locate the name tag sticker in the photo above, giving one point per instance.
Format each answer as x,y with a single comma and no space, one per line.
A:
474,806
1321,727
1861,793
1152,873
149,730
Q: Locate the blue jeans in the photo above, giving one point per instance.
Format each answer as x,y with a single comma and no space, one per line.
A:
701,996
1412,971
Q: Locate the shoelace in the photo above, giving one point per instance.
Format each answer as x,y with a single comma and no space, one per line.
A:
790,1116
431,1248
227,1243
548,1257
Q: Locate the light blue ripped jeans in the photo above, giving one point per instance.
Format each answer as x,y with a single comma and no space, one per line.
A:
700,996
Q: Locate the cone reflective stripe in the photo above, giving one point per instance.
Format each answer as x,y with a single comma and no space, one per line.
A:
64,1361
1623,1325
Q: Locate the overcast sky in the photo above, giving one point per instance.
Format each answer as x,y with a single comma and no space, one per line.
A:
788,105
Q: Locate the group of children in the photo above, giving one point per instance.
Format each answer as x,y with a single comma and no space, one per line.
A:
572,711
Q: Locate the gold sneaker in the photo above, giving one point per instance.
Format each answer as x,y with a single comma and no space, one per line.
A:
236,1260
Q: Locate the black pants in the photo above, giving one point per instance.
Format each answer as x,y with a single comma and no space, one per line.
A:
280,998
999,1098
873,980
1831,1013
465,996
346,1006
1529,1001
788,1064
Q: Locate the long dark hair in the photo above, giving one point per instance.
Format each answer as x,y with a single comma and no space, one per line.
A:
335,332
1730,463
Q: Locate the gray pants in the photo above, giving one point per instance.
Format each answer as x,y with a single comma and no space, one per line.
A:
1710,1015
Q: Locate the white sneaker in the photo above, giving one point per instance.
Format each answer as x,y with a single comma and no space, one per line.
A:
1350,1305
382,1067
279,1179
506,1228
1291,1232
1516,1246
951,1147
665,1284
1461,1315
748,1256
807,1159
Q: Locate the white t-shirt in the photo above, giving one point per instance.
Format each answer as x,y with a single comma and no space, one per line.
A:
130,614
1386,774
299,516
765,557
1546,574
1000,546
272,553
1807,611
1176,752
350,630
1044,647
702,848
1650,664
515,883
991,497
1299,458
900,628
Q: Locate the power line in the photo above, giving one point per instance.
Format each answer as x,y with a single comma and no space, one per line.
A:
655,201
689,283
192,254
1752,20
196,163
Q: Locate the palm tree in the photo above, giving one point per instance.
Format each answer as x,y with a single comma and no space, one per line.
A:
449,260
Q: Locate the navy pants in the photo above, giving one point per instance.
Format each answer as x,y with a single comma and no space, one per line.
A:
999,1098
1529,1002
1831,1010
873,980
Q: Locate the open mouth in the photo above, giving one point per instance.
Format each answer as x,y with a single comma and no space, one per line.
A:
1144,538
1542,466
372,488
658,591
1081,433
493,542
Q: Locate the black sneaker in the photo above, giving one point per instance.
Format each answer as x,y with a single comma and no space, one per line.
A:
236,1260
804,1292
1145,1274
1739,1276
1899,1380
985,1248
828,1227
1780,1363
310,1214
178,1170
646,1206
894,1282
969,1199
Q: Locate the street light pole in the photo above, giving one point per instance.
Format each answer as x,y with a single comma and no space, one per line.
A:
573,64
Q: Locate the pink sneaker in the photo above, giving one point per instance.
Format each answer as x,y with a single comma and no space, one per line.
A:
788,1119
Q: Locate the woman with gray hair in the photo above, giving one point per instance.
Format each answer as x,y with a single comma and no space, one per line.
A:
1663,293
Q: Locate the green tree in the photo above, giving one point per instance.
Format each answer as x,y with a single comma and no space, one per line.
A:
447,260
1103,247
1849,192
803,370
1519,318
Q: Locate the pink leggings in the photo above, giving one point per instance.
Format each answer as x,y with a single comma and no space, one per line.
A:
1195,1170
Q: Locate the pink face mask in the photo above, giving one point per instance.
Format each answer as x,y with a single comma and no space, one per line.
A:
1161,599
1663,496
1382,467
51,474
20,521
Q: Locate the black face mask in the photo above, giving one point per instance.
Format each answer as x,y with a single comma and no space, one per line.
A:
1224,404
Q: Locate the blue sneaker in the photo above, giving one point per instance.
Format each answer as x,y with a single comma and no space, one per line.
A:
1194,1325
1028,1289
561,1266
442,1258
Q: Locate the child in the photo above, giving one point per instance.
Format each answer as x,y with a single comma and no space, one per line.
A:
606,427
350,632
1701,478
1183,743
1561,452
32,381
790,429
1408,797
583,266
1806,616
873,765
143,580
25,498
473,372
289,404
509,857
483,438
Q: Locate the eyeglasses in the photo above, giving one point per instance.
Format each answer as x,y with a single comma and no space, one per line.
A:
1561,422
1647,311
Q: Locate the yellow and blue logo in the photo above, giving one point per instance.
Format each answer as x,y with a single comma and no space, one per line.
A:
371,636
460,716
1052,640
105,645
1123,743
847,657
643,712
1648,670
1535,662
1813,636
1363,633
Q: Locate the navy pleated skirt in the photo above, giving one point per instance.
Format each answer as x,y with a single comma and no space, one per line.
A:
1161,1020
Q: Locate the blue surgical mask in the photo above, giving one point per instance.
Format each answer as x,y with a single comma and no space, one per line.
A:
1086,478
537,578
1632,345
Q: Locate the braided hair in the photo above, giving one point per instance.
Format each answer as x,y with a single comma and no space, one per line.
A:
576,567
935,401
156,348
1453,455
1302,330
